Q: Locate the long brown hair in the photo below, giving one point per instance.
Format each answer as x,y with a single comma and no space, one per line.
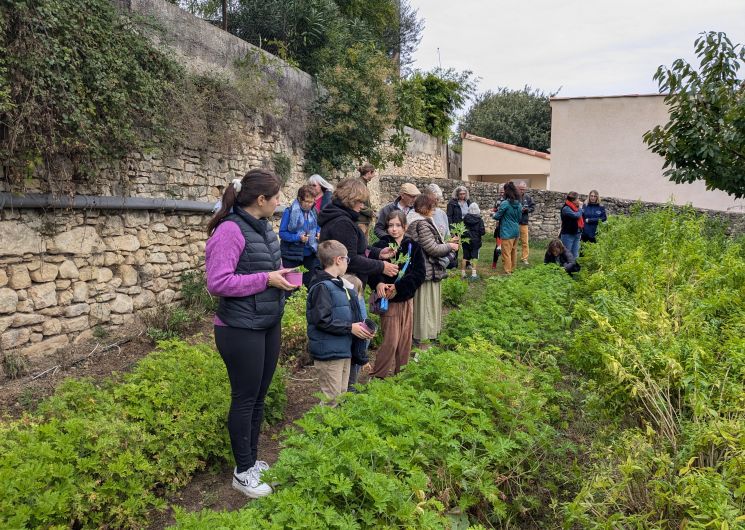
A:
254,184
510,192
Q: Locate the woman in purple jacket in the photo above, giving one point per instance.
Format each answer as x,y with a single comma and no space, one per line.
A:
244,269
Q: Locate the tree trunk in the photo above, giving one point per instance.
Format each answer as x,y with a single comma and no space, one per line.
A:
225,15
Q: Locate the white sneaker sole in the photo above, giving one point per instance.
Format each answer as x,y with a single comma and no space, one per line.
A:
251,493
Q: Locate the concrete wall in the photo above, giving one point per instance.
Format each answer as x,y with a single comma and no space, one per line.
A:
545,221
485,161
596,143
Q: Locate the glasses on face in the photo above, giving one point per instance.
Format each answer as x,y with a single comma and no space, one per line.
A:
346,258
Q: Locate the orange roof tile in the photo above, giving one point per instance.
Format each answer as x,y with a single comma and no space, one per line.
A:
510,147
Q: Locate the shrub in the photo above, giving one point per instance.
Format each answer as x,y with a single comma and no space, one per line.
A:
194,292
661,337
454,291
93,455
294,329
170,322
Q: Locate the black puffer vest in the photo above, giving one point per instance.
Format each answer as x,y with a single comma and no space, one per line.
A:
261,254
569,225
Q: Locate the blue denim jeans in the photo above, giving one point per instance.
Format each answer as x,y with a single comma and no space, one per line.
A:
571,242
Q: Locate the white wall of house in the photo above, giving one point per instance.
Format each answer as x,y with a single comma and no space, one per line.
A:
485,160
596,143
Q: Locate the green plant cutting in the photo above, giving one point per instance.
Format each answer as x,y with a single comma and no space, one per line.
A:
457,231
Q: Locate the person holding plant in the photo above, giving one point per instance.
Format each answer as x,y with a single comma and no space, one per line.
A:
298,232
428,298
322,191
334,321
397,322
508,214
243,263
472,241
592,214
556,253
338,221
572,223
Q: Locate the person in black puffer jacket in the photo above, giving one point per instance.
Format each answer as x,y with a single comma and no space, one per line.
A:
397,322
338,221
475,225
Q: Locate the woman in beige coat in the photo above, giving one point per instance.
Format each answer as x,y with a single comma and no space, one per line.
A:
428,299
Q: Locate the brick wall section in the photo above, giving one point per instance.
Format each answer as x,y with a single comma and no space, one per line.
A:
544,222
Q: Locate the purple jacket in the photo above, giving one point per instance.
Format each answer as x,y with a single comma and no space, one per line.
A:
222,251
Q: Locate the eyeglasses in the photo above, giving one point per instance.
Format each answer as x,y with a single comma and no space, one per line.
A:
346,258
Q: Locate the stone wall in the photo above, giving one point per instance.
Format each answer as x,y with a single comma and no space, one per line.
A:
426,156
544,222
63,274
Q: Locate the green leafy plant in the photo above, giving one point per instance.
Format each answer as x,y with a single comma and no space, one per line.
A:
194,292
294,329
457,230
282,166
454,291
94,454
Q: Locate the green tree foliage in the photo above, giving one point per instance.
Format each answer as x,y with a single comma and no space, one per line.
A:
78,83
519,117
428,101
705,137
352,115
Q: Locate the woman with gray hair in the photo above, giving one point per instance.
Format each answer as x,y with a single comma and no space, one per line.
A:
458,205
322,191
439,217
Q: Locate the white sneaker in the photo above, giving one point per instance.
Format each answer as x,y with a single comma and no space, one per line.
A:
260,466
249,483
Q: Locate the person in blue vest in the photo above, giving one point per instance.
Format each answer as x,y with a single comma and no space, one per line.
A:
334,320
298,232
243,263
593,214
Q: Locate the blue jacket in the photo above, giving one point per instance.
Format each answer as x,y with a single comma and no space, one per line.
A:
593,214
292,247
508,215
330,315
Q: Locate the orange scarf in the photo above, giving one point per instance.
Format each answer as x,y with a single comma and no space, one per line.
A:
574,207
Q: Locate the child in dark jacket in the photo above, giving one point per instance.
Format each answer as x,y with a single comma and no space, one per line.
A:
360,358
557,253
397,322
334,320
475,225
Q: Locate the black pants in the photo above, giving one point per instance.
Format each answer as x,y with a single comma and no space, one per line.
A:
251,357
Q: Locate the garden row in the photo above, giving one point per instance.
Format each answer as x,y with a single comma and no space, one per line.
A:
460,436
661,341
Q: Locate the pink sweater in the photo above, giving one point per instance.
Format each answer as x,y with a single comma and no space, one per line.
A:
222,252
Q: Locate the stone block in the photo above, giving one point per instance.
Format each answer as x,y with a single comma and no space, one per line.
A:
14,338
17,239
103,275
158,257
75,324
45,347
79,292
83,241
44,272
87,274
5,323
3,278
76,310
122,304
129,275
113,258
143,300
65,297
19,277
8,300
68,270
43,295
166,297
27,319
35,337
53,326
25,306
159,284
100,312
136,218
128,243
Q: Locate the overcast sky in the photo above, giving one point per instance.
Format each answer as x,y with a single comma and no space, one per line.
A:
584,47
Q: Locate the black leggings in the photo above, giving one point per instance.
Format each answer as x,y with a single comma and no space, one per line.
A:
251,358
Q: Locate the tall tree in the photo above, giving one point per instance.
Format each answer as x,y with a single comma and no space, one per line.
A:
519,117
705,137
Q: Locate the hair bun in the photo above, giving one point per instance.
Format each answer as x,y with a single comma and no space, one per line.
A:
237,185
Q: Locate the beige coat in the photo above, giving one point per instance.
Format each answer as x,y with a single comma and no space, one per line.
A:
423,230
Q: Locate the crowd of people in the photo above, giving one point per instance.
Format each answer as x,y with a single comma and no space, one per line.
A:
324,231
